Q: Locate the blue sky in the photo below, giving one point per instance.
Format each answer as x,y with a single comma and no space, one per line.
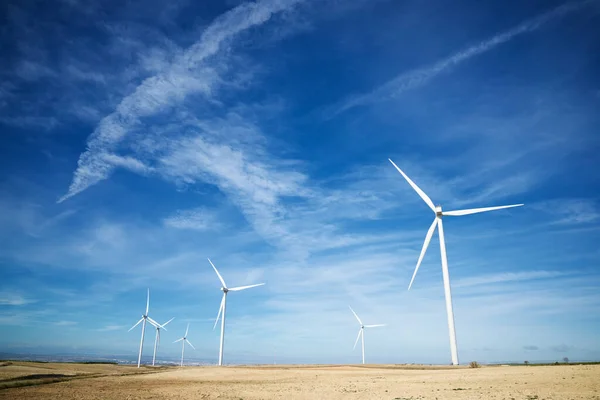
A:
140,138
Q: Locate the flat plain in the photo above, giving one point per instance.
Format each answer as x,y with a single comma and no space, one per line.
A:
28,380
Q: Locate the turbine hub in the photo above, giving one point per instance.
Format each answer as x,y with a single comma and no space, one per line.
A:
224,289
438,211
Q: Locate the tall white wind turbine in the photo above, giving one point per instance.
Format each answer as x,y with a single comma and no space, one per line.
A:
361,333
143,319
221,313
437,222
183,341
157,338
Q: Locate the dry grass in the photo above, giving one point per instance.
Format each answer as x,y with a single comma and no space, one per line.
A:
79,381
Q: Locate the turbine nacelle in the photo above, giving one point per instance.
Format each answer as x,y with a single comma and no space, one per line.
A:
438,211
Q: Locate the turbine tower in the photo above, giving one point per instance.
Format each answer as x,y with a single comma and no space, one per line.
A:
437,222
183,341
157,338
361,333
221,313
143,319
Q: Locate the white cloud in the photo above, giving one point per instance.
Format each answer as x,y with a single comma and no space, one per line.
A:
505,277
110,328
189,73
196,219
14,299
570,211
418,77
65,323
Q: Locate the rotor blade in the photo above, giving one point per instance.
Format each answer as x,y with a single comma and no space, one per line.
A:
163,325
218,274
477,210
235,289
187,329
424,249
374,326
178,340
135,325
359,321
188,342
358,337
154,323
220,309
147,302
421,193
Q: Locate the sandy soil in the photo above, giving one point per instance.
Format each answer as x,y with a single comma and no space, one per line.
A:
307,382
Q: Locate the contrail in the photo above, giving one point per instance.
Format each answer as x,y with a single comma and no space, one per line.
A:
421,76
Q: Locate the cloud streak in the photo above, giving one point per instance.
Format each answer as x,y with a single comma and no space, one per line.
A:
190,73
421,76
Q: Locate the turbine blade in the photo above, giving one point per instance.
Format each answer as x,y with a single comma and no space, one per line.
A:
178,340
235,289
358,337
220,309
188,342
374,326
424,249
458,213
154,323
359,321
187,329
218,274
421,193
135,325
147,302
165,324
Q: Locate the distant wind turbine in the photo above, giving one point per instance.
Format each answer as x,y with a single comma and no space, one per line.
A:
361,333
225,289
437,222
143,319
157,338
183,341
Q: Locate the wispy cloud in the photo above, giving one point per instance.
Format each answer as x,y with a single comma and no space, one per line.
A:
570,211
196,219
190,73
14,299
65,323
421,76
110,328
505,277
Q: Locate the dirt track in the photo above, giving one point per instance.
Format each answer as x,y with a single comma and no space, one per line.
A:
291,382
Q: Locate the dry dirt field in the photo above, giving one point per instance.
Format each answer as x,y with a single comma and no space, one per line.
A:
84,381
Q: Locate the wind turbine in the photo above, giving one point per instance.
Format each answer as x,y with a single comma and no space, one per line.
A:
437,222
183,341
157,338
361,333
143,319
225,289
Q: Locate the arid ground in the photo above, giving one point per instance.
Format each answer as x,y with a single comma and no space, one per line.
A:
26,380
